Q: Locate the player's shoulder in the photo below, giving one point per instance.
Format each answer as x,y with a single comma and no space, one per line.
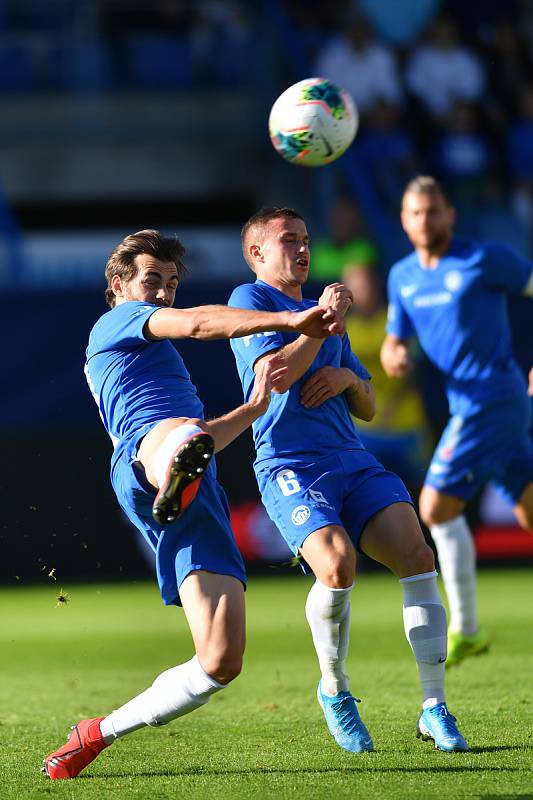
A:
252,295
122,312
404,266
112,325
475,250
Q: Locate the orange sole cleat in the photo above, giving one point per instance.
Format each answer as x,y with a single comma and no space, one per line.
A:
84,743
185,471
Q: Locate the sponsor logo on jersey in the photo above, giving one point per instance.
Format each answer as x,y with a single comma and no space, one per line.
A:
300,515
247,339
407,291
453,280
436,299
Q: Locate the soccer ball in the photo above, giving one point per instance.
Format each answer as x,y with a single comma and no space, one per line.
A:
313,122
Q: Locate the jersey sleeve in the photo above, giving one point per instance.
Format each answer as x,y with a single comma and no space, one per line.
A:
505,269
398,321
350,360
256,345
122,328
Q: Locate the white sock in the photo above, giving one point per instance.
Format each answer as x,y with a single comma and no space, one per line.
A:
166,449
328,614
457,561
175,692
424,620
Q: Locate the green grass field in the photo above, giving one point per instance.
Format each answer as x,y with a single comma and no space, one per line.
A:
265,736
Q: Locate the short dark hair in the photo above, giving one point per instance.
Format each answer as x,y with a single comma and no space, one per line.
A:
150,242
258,223
425,184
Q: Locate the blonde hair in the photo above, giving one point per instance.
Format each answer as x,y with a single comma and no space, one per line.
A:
425,184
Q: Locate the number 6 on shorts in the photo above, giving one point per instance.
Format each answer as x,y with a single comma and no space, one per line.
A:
287,482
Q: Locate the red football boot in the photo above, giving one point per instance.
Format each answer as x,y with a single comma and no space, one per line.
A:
185,471
83,745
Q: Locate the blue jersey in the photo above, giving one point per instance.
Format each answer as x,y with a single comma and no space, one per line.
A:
458,310
136,381
288,430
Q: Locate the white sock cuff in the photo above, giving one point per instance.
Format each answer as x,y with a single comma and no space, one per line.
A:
202,676
451,528
422,576
169,445
421,590
322,587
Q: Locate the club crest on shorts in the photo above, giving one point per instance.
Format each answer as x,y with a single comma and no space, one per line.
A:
300,514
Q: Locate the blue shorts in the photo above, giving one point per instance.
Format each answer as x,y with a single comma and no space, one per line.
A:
200,539
345,489
493,444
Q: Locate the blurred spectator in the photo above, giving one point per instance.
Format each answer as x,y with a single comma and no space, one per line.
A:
118,17
356,61
510,67
399,23
476,17
519,151
223,49
462,156
315,21
347,244
388,151
443,70
398,434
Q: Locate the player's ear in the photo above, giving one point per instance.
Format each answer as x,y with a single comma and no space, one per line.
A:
255,252
453,215
117,286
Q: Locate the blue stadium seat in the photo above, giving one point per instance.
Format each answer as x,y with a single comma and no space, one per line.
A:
16,69
85,66
158,61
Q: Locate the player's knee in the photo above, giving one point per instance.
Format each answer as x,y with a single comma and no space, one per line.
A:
338,569
417,559
224,666
199,422
432,513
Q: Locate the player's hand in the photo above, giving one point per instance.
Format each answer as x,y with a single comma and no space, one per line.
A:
326,382
396,359
530,383
318,322
338,296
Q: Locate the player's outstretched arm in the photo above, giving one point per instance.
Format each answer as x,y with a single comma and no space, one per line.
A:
224,322
226,428
395,356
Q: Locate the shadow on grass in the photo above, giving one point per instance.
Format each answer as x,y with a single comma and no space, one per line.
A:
497,748
366,767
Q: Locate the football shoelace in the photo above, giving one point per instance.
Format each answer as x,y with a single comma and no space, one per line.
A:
346,712
446,719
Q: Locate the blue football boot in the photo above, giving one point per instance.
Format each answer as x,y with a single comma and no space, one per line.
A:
438,724
344,722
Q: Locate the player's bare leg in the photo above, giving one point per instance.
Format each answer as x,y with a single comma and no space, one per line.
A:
393,537
175,455
214,605
457,559
524,508
331,555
